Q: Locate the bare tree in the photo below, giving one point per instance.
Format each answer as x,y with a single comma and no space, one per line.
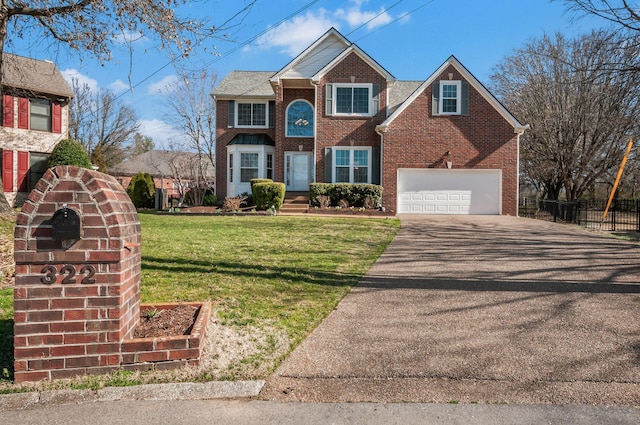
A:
192,175
193,113
93,26
581,111
620,12
102,123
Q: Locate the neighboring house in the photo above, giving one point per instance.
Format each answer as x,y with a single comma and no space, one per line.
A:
441,146
35,117
174,171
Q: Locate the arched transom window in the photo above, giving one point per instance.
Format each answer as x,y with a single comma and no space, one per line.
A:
300,119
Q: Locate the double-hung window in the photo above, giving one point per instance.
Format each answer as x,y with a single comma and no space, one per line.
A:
249,162
251,114
352,165
40,114
352,99
450,92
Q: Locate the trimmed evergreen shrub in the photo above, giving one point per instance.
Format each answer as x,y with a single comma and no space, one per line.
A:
69,152
254,181
357,195
269,194
142,190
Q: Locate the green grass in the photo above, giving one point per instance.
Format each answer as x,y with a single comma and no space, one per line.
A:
282,274
286,272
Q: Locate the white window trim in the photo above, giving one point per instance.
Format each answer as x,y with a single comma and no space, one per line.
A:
334,99
458,85
286,118
351,165
252,102
259,168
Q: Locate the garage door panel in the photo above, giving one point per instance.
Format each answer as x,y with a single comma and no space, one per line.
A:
433,191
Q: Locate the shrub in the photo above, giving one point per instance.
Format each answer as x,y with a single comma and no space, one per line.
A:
209,200
142,190
233,203
254,181
269,194
69,152
357,195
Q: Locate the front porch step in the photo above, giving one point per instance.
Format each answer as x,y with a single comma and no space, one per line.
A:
295,203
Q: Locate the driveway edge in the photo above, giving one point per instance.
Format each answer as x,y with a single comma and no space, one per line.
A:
177,391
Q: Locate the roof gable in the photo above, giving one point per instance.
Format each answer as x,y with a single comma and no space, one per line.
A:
315,57
477,85
325,53
22,73
365,57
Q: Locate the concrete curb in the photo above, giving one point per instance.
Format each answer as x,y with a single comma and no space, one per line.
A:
178,391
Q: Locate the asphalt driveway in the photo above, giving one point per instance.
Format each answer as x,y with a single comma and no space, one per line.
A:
480,309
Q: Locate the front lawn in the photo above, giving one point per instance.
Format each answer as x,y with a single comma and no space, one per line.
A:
271,281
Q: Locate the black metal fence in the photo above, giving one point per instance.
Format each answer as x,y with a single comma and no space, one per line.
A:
623,214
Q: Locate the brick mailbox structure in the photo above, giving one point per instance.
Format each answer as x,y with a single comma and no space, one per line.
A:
77,286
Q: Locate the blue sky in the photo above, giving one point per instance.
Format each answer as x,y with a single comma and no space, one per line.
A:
410,38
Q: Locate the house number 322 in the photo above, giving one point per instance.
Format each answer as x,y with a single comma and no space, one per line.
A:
50,274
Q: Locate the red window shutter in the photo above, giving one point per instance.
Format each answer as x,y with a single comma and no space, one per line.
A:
7,111
23,113
56,118
7,170
23,171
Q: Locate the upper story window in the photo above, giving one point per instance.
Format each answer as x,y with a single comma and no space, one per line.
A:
33,114
40,114
251,114
352,99
450,102
300,119
450,97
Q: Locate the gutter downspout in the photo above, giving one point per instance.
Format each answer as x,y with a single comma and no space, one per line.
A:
381,130
315,128
519,131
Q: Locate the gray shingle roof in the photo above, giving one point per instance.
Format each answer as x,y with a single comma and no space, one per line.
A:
156,163
33,75
245,84
400,91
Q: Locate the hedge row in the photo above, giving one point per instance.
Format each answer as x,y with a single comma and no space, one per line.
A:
357,195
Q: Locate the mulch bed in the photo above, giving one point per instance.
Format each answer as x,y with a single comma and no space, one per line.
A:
171,322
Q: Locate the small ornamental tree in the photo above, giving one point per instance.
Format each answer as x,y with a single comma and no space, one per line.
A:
69,152
142,190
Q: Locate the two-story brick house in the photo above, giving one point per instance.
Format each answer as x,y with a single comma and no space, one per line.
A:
35,99
444,145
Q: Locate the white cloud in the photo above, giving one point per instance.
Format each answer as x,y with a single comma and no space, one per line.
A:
292,36
71,74
356,17
118,86
164,86
297,34
162,134
129,37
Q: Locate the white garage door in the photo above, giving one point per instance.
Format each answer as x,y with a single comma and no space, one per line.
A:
446,191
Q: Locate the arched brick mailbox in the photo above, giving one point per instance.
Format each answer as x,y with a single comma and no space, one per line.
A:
77,289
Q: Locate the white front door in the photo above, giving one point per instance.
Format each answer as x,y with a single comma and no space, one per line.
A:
297,171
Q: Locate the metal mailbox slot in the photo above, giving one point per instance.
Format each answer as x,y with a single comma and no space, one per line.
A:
65,225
